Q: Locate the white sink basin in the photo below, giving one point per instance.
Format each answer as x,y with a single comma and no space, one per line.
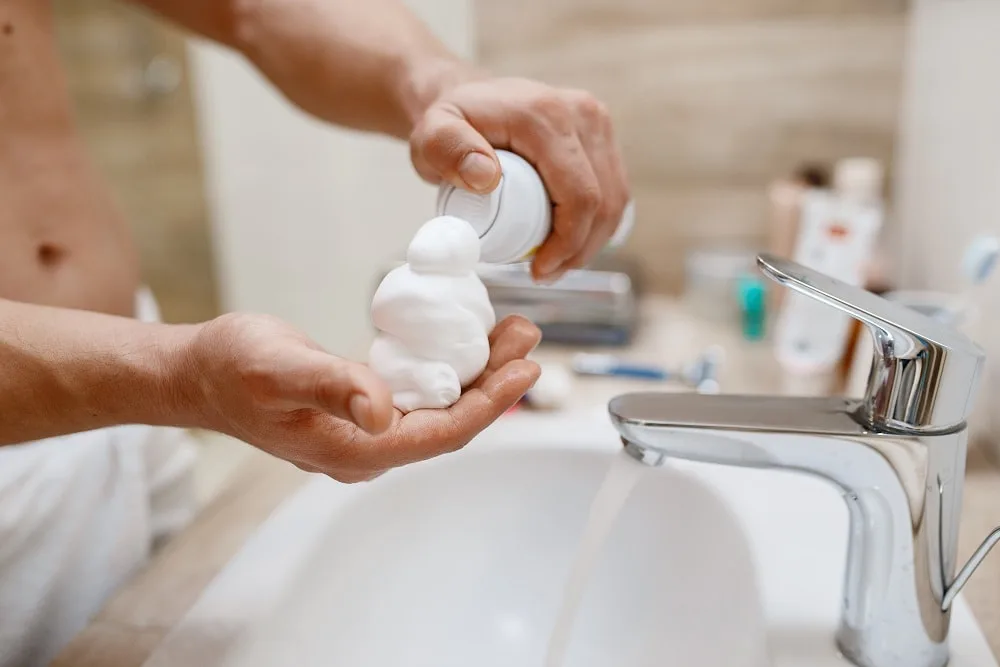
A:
461,561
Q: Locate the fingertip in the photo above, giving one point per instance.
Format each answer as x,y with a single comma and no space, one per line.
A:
381,418
522,375
360,409
481,145
546,262
376,409
516,338
518,375
501,327
479,172
369,405
526,334
446,147
373,417
533,371
527,330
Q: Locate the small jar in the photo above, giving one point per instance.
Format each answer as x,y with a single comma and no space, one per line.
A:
712,277
515,219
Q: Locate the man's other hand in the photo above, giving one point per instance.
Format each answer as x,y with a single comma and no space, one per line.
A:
266,383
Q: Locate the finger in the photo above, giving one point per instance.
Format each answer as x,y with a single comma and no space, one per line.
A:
597,137
502,326
576,196
424,434
343,388
513,338
445,147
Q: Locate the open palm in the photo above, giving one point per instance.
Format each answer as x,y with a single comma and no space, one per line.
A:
424,434
268,384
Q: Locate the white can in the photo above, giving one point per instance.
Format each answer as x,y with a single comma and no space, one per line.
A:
515,219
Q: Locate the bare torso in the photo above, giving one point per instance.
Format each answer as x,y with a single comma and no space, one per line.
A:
63,241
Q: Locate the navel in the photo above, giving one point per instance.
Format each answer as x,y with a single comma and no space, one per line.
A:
50,255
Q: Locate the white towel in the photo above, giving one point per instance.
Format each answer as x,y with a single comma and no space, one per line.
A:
78,516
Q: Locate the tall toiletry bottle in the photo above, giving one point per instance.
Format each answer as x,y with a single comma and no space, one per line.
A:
838,233
786,195
516,218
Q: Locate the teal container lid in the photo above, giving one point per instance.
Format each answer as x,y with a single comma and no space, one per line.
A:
752,299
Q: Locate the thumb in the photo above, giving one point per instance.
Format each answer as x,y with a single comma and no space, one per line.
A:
445,147
346,389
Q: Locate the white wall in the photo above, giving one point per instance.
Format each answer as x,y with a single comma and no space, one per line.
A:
948,188
306,216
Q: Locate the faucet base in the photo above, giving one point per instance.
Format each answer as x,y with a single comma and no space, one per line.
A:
918,652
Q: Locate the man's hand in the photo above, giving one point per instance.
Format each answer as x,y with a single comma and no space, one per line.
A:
374,65
269,385
565,134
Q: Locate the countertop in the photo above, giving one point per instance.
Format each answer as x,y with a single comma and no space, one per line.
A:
140,616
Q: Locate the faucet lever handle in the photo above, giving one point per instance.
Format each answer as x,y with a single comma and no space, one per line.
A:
924,373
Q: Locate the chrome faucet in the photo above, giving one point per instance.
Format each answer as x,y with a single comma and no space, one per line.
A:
898,456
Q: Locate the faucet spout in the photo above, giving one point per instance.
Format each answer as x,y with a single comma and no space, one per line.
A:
903,492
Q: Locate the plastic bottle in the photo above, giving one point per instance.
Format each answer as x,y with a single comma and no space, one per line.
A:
837,236
516,218
786,197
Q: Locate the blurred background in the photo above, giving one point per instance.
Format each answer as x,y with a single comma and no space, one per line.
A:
240,202
712,100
